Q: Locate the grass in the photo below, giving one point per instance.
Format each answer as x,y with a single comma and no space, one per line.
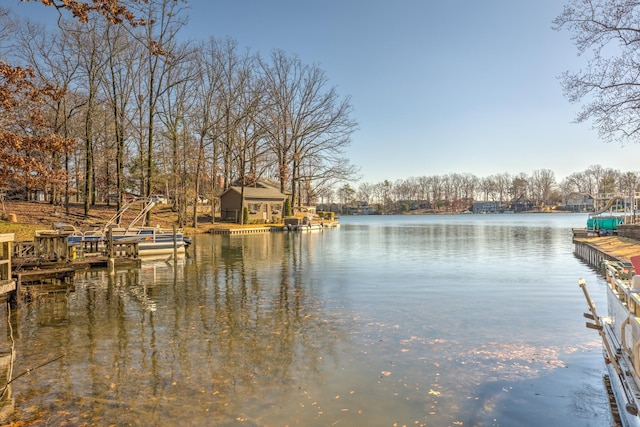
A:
22,232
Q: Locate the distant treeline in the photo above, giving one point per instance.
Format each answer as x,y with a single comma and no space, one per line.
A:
456,192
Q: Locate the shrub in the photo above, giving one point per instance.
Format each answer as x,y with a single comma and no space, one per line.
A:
287,207
245,215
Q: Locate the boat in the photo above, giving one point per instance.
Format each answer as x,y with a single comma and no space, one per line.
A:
151,240
304,227
620,334
309,223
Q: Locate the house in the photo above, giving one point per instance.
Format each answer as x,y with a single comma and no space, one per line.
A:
484,207
579,202
263,202
521,204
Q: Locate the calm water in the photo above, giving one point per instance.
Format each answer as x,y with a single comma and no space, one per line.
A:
418,321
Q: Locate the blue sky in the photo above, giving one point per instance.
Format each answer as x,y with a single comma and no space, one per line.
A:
437,87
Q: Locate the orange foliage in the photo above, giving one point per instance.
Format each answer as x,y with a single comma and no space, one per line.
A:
27,144
113,10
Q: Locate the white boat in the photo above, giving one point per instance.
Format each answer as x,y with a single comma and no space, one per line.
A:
620,333
309,223
153,240
304,227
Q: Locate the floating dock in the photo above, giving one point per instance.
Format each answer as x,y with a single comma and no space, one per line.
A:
245,230
289,225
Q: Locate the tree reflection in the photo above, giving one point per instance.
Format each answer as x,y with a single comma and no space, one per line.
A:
267,329
221,336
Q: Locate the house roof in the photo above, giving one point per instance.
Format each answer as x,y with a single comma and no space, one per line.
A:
258,193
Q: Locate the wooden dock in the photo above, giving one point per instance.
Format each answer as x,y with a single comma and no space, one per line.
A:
31,283
48,264
594,250
227,231
55,250
245,230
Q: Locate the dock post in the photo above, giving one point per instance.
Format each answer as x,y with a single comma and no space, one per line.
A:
18,290
175,244
112,261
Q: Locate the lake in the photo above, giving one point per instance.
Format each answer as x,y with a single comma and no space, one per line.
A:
447,320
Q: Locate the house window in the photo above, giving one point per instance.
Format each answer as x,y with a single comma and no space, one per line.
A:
276,207
254,207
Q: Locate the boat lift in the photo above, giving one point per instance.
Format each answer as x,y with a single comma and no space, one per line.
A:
608,224
115,219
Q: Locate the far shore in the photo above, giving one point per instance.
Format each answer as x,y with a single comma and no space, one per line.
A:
24,218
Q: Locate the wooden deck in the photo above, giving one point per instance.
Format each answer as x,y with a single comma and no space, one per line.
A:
245,230
612,247
7,286
226,231
48,264
55,249
31,283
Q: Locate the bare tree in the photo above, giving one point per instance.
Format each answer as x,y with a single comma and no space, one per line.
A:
488,186
578,181
503,181
566,188
55,63
610,181
628,183
309,121
118,86
519,186
435,184
608,32
594,174
543,181
89,41
250,131
7,27
365,192
203,121
228,64
164,18
174,106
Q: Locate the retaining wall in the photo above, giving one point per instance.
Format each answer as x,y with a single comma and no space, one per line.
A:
631,231
591,255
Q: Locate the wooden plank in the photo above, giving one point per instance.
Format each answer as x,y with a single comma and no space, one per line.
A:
7,286
7,237
39,275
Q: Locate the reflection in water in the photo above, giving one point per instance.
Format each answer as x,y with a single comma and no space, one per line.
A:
215,339
414,321
7,359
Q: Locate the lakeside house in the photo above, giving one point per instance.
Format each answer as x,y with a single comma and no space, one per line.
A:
264,203
580,202
522,204
484,207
